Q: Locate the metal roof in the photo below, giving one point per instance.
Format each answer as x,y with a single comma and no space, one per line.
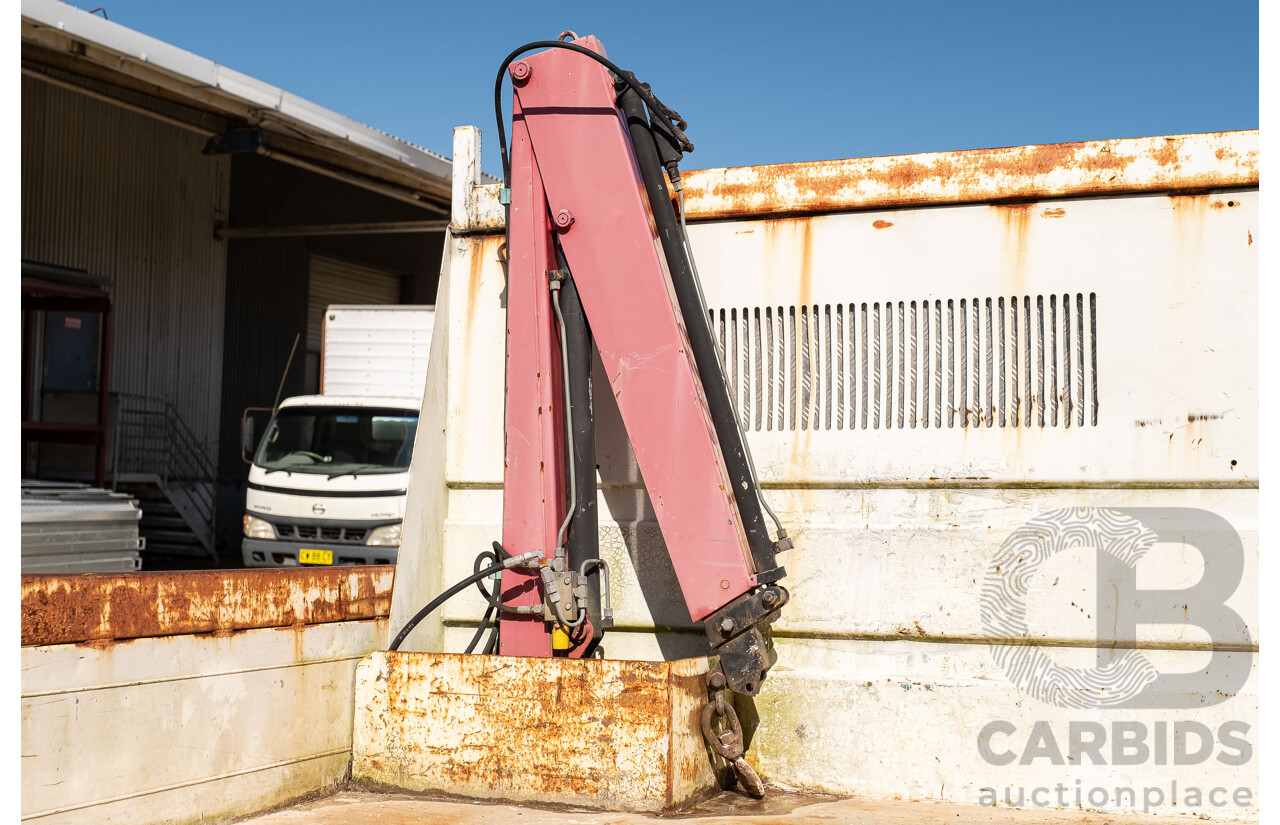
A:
388,401
109,51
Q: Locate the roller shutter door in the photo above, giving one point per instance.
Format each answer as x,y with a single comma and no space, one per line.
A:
342,282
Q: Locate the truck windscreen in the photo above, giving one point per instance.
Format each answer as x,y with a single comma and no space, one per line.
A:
337,441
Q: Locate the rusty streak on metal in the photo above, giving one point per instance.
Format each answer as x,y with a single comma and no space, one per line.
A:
93,607
1174,163
613,734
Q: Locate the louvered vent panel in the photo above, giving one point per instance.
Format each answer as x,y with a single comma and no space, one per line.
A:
1028,361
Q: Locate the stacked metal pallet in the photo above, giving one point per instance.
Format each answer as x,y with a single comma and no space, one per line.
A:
74,528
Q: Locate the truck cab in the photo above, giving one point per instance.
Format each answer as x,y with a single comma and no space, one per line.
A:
327,484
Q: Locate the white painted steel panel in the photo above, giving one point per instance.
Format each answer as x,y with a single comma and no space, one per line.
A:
1177,358
188,728
893,562
902,719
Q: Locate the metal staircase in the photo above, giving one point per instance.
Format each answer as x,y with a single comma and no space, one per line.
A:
159,461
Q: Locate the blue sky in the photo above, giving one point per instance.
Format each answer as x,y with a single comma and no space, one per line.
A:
763,82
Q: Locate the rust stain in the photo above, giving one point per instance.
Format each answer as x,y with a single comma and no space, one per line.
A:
806,263
98,607
477,254
882,224
1053,213
1167,155
781,237
1015,223
1181,162
1189,213
441,717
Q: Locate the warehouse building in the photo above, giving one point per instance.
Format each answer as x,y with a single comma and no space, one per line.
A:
183,227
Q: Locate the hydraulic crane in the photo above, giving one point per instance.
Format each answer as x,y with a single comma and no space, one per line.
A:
598,257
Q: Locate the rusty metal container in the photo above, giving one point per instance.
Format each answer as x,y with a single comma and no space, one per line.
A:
608,734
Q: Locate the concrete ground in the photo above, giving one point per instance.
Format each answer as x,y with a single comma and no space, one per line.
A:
367,808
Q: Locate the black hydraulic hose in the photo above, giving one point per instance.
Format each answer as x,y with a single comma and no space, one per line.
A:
494,599
705,355
484,625
490,608
448,594
484,591
583,542
625,76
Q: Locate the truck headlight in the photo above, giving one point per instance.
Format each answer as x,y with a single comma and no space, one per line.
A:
388,535
256,528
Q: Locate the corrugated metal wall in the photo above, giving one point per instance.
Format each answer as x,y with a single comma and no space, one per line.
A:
131,198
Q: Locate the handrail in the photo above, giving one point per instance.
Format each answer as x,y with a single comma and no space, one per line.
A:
152,438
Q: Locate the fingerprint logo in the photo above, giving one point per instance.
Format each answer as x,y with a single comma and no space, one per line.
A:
1004,607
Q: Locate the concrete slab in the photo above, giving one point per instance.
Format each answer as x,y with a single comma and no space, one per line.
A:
605,734
364,808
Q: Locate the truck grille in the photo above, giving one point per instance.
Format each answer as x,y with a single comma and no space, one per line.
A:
340,535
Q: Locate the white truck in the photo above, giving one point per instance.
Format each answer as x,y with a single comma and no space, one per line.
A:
327,481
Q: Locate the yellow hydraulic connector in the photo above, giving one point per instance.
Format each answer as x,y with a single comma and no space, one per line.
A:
559,637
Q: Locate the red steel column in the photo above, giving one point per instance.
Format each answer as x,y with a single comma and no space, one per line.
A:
533,500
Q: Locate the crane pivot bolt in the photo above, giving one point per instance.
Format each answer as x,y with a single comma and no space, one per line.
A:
564,219
521,72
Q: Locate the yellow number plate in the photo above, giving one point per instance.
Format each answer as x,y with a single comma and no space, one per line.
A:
307,556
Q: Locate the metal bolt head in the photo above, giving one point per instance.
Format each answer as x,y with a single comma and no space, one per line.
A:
564,219
726,626
769,598
521,72
724,584
716,680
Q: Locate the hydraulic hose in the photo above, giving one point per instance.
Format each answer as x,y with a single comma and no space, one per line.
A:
583,541
568,416
626,77
484,625
489,611
494,599
455,590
